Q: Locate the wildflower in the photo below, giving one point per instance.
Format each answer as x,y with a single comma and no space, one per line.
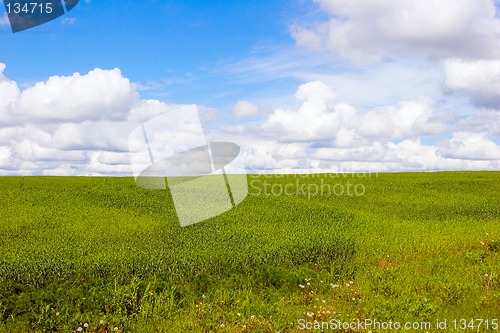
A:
57,314
482,243
222,325
308,283
86,325
323,301
116,328
79,329
238,314
310,314
252,317
334,285
301,286
101,322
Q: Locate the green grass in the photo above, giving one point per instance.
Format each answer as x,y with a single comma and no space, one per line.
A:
412,247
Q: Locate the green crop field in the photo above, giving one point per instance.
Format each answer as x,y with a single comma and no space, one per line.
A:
103,255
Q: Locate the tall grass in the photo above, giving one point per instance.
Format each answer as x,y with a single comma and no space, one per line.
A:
102,251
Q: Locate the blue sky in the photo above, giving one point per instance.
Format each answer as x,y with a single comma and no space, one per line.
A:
179,44
331,84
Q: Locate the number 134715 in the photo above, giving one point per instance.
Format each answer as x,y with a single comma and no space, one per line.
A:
29,8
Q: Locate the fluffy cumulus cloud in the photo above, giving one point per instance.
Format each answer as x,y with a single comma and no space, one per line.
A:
9,94
459,121
480,79
76,124
245,109
80,125
486,121
322,133
367,30
470,146
100,94
4,156
319,119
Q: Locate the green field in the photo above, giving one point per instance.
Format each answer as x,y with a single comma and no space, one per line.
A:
412,247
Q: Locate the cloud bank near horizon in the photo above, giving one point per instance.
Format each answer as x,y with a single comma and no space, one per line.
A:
78,125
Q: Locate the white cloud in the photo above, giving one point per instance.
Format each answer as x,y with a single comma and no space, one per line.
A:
11,135
79,125
469,146
112,158
408,119
99,135
480,79
56,126
320,119
98,165
485,121
306,38
9,93
430,28
317,119
100,94
27,150
378,156
245,109
147,109
322,133
5,156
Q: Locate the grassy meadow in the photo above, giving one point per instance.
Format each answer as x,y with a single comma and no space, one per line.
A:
97,254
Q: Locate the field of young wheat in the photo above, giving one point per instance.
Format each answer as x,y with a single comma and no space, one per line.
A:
103,255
